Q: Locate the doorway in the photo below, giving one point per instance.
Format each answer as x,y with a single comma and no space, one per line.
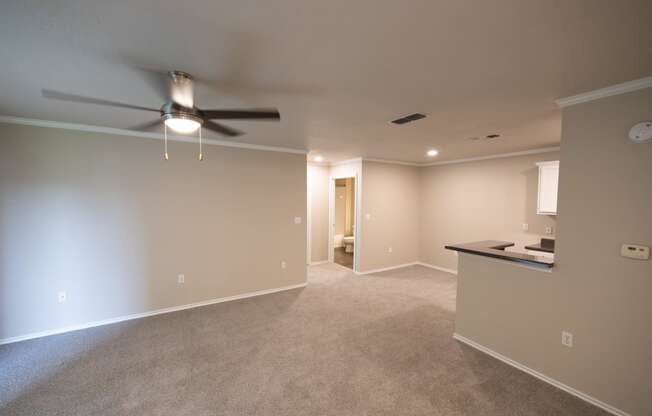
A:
344,222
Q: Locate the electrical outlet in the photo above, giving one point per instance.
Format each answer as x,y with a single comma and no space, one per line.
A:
181,279
390,249
367,216
283,264
634,251
62,297
549,230
526,226
566,339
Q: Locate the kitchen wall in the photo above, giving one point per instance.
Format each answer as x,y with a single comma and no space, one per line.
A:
480,200
106,220
318,208
390,215
602,298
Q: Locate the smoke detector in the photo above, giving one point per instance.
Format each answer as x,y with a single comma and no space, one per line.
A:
641,133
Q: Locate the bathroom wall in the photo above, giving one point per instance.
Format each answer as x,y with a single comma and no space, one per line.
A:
340,212
106,220
349,220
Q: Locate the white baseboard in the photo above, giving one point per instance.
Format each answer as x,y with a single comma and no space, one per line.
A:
316,263
441,269
540,376
388,268
146,314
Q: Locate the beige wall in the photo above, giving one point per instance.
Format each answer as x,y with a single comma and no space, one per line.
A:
349,217
605,197
482,200
318,191
390,195
105,219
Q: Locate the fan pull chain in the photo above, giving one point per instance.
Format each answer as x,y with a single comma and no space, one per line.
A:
201,155
165,135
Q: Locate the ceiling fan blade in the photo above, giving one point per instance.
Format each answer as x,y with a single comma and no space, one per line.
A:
149,126
254,114
62,96
221,129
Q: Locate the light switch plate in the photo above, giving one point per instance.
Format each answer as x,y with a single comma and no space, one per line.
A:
634,251
297,220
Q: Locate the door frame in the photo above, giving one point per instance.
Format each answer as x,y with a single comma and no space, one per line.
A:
357,215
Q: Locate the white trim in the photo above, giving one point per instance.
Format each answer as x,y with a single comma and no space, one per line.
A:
308,216
498,156
450,162
345,162
357,175
590,399
146,314
617,89
146,135
357,244
441,269
548,163
384,269
392,162
317,263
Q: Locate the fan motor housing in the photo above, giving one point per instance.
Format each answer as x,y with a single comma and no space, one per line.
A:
173,110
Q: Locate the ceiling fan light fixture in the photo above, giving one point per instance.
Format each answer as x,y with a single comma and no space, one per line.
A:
182,123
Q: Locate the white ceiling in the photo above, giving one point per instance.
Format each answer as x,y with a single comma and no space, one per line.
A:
338,70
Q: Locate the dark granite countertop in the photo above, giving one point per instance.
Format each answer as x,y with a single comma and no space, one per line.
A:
547,245
496,249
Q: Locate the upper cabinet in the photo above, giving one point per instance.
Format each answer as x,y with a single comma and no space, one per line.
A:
548,184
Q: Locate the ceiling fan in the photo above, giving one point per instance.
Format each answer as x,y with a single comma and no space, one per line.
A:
179,112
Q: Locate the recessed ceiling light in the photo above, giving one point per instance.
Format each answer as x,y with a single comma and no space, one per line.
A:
318,158
432,153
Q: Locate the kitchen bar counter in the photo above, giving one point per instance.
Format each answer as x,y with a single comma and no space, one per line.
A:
546,245
496,250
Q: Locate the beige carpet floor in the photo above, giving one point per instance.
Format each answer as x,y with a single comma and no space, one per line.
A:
344,345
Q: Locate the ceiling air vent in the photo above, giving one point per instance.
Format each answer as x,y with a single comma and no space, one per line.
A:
408,119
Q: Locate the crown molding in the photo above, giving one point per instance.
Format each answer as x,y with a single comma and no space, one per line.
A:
445,162
617,89
345,162
392,162
142,134
498,156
